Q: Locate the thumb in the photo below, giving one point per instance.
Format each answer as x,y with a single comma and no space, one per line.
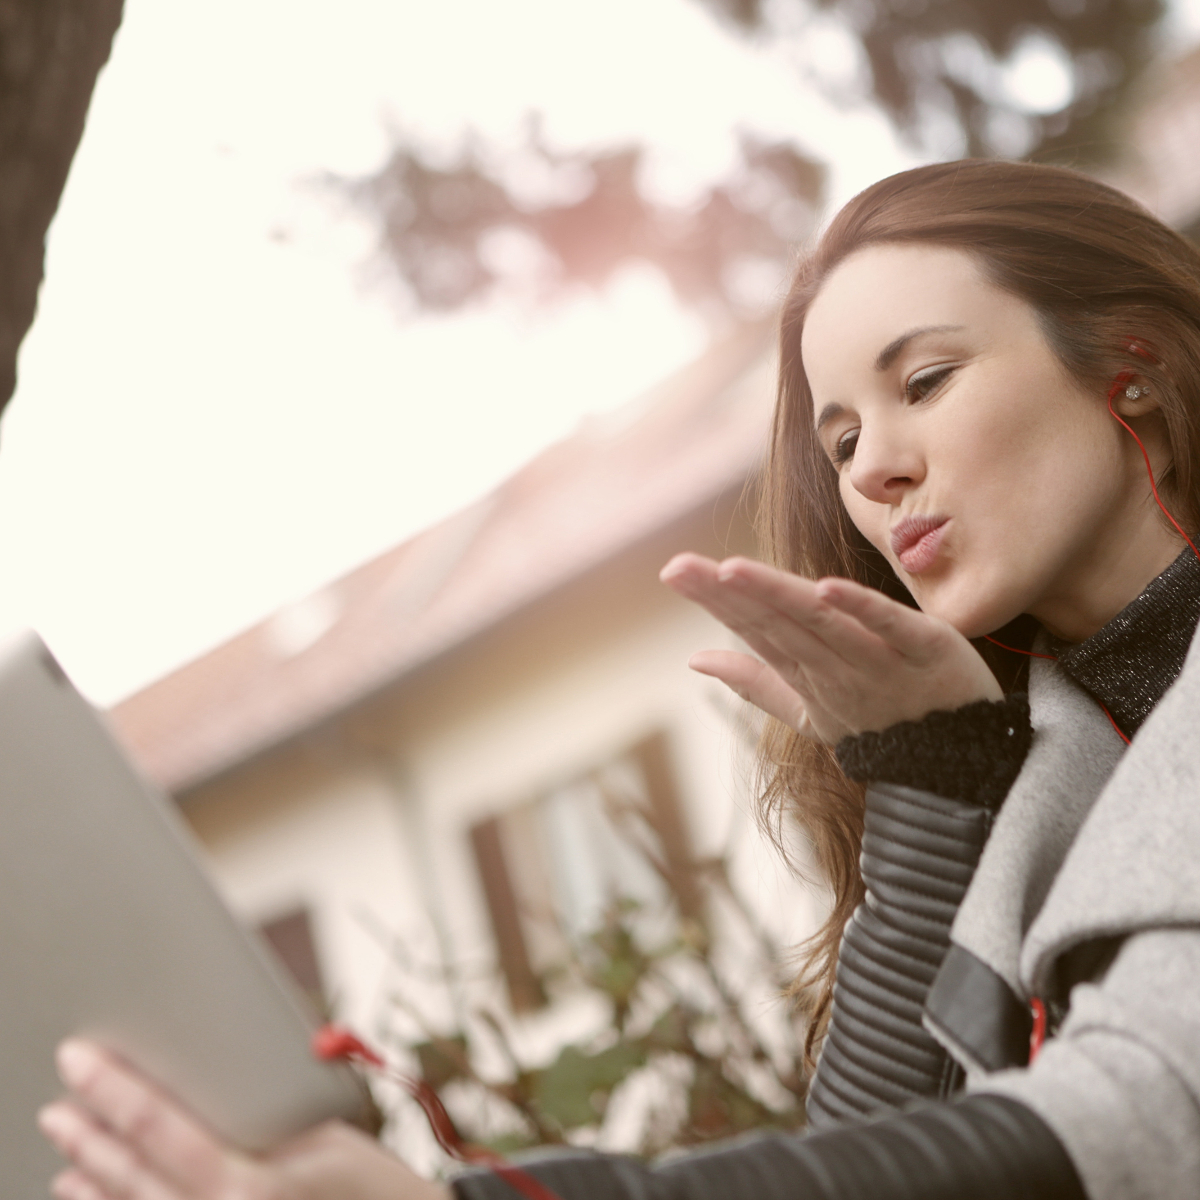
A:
757,683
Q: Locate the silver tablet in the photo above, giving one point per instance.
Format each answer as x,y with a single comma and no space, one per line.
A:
110,929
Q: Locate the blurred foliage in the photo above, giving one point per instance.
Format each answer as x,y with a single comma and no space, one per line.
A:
541,220
697,1010
673,1015
454,229
934,65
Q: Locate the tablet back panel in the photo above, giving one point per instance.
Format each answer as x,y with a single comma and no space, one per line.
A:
110,929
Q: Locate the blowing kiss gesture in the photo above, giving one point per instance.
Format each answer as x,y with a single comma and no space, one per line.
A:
834,658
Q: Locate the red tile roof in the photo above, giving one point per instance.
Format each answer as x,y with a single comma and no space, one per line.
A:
619,479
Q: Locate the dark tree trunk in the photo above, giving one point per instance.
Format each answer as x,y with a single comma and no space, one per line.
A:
50,54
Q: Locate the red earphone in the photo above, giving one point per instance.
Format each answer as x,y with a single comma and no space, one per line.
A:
1122,380
1037,1036
1133,346
332,1043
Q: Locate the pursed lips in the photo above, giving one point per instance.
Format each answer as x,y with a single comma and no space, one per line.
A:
915,541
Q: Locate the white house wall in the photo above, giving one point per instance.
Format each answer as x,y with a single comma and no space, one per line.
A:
368,825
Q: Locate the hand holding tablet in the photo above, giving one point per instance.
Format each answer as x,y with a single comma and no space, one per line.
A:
110,931
126,1139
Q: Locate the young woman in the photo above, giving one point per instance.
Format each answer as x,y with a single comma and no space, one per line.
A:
974,648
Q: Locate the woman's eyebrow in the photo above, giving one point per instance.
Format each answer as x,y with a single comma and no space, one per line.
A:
887,356
827,414
891,351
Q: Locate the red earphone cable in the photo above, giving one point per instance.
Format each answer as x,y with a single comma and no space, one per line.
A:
987,637
331,1043
1053,658
1120,382
1037,1035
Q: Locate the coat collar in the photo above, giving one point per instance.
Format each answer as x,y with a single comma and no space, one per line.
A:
1129,664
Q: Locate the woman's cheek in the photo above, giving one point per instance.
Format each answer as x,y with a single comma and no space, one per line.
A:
869,518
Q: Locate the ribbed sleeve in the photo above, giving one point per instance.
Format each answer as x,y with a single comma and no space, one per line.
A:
981,1148
919,854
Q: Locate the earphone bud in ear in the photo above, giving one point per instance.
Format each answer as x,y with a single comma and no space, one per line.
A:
1122,383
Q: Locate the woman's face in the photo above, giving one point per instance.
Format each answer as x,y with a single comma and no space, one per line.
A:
991,480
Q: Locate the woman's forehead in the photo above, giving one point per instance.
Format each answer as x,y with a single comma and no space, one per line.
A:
878,296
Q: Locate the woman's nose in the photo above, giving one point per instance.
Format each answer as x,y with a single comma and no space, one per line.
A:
884,468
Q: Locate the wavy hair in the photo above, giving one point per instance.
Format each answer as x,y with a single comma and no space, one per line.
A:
1101,273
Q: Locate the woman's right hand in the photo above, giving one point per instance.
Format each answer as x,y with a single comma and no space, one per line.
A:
835,658
126,1140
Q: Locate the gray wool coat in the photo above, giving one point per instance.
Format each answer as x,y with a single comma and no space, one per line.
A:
1099,841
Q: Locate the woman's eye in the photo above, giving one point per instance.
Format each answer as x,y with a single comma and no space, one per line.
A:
843,450
925,383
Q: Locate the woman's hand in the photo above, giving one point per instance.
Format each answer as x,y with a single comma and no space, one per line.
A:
126,1140
837,658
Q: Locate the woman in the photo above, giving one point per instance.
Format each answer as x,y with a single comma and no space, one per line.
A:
965,357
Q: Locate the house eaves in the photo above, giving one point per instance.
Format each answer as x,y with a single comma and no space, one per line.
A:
582,503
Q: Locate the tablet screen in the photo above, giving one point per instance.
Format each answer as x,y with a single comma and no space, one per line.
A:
110,929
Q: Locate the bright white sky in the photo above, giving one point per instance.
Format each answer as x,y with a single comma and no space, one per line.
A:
217,411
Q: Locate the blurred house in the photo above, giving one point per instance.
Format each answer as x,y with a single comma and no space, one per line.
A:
415,755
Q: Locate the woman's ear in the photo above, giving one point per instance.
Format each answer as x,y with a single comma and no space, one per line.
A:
1136,398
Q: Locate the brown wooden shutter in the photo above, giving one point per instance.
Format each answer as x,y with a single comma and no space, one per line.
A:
524,987
290,936
666,814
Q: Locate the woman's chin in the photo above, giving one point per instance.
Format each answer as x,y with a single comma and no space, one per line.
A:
969,609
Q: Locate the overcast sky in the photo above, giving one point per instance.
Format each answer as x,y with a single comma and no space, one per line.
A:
220,406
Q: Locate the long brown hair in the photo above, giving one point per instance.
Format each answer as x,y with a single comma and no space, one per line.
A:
1101,273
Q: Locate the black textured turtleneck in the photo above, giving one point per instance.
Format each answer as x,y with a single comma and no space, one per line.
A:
976,752
1129,664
